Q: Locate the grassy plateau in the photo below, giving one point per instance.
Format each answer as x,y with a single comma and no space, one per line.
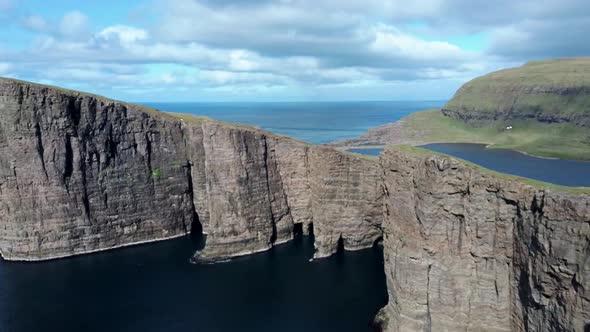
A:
553,140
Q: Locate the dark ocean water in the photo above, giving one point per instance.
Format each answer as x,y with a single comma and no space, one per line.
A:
153,287
313,122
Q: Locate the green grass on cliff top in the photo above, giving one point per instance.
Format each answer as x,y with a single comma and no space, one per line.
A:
570,72
535,183
556,140
504,90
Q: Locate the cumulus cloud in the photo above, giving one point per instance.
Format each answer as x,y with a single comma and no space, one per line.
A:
546,38
390,41
125,35
300,44
74,24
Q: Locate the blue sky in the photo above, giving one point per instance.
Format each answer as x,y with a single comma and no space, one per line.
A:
274,50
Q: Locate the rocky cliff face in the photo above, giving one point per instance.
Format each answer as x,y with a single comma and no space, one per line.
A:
81,173
464,250
468,251
252,188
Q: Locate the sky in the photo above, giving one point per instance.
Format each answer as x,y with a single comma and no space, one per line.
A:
281,50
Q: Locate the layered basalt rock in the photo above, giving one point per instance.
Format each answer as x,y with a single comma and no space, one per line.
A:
257,186
463,249
349,187
470,251
81,173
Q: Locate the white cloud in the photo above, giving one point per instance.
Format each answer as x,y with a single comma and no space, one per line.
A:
541,38
125,35
390,41
115,53
222,77
302,44
74,24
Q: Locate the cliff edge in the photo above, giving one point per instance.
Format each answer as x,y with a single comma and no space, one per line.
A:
469,250
81,173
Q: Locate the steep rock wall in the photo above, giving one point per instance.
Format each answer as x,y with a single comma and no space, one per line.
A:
81,173
259,186
468,251
464,250
346,200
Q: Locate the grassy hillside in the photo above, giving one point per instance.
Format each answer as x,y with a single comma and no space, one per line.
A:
547,91
559,140
547,104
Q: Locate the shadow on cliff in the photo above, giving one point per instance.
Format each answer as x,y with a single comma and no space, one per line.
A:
197,237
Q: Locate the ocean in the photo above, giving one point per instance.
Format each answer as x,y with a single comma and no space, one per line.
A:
312,122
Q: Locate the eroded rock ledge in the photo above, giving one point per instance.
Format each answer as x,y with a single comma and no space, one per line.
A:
81,173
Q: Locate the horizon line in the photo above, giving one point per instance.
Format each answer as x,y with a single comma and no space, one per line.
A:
287,101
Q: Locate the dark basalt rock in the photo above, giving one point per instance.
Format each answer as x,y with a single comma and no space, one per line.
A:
463,249
81,173
468,251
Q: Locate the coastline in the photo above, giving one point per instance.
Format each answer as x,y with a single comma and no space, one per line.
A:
487,145
94,251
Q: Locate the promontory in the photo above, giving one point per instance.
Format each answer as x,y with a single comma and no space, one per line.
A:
465,249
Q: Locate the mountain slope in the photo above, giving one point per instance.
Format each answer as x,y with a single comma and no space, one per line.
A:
541,108
552,91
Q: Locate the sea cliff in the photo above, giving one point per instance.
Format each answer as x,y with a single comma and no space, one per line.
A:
464,249
469,250
81,173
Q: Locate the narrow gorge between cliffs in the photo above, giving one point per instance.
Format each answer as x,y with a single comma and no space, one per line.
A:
463,248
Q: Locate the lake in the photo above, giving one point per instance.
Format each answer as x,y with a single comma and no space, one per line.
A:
563,172
557,171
